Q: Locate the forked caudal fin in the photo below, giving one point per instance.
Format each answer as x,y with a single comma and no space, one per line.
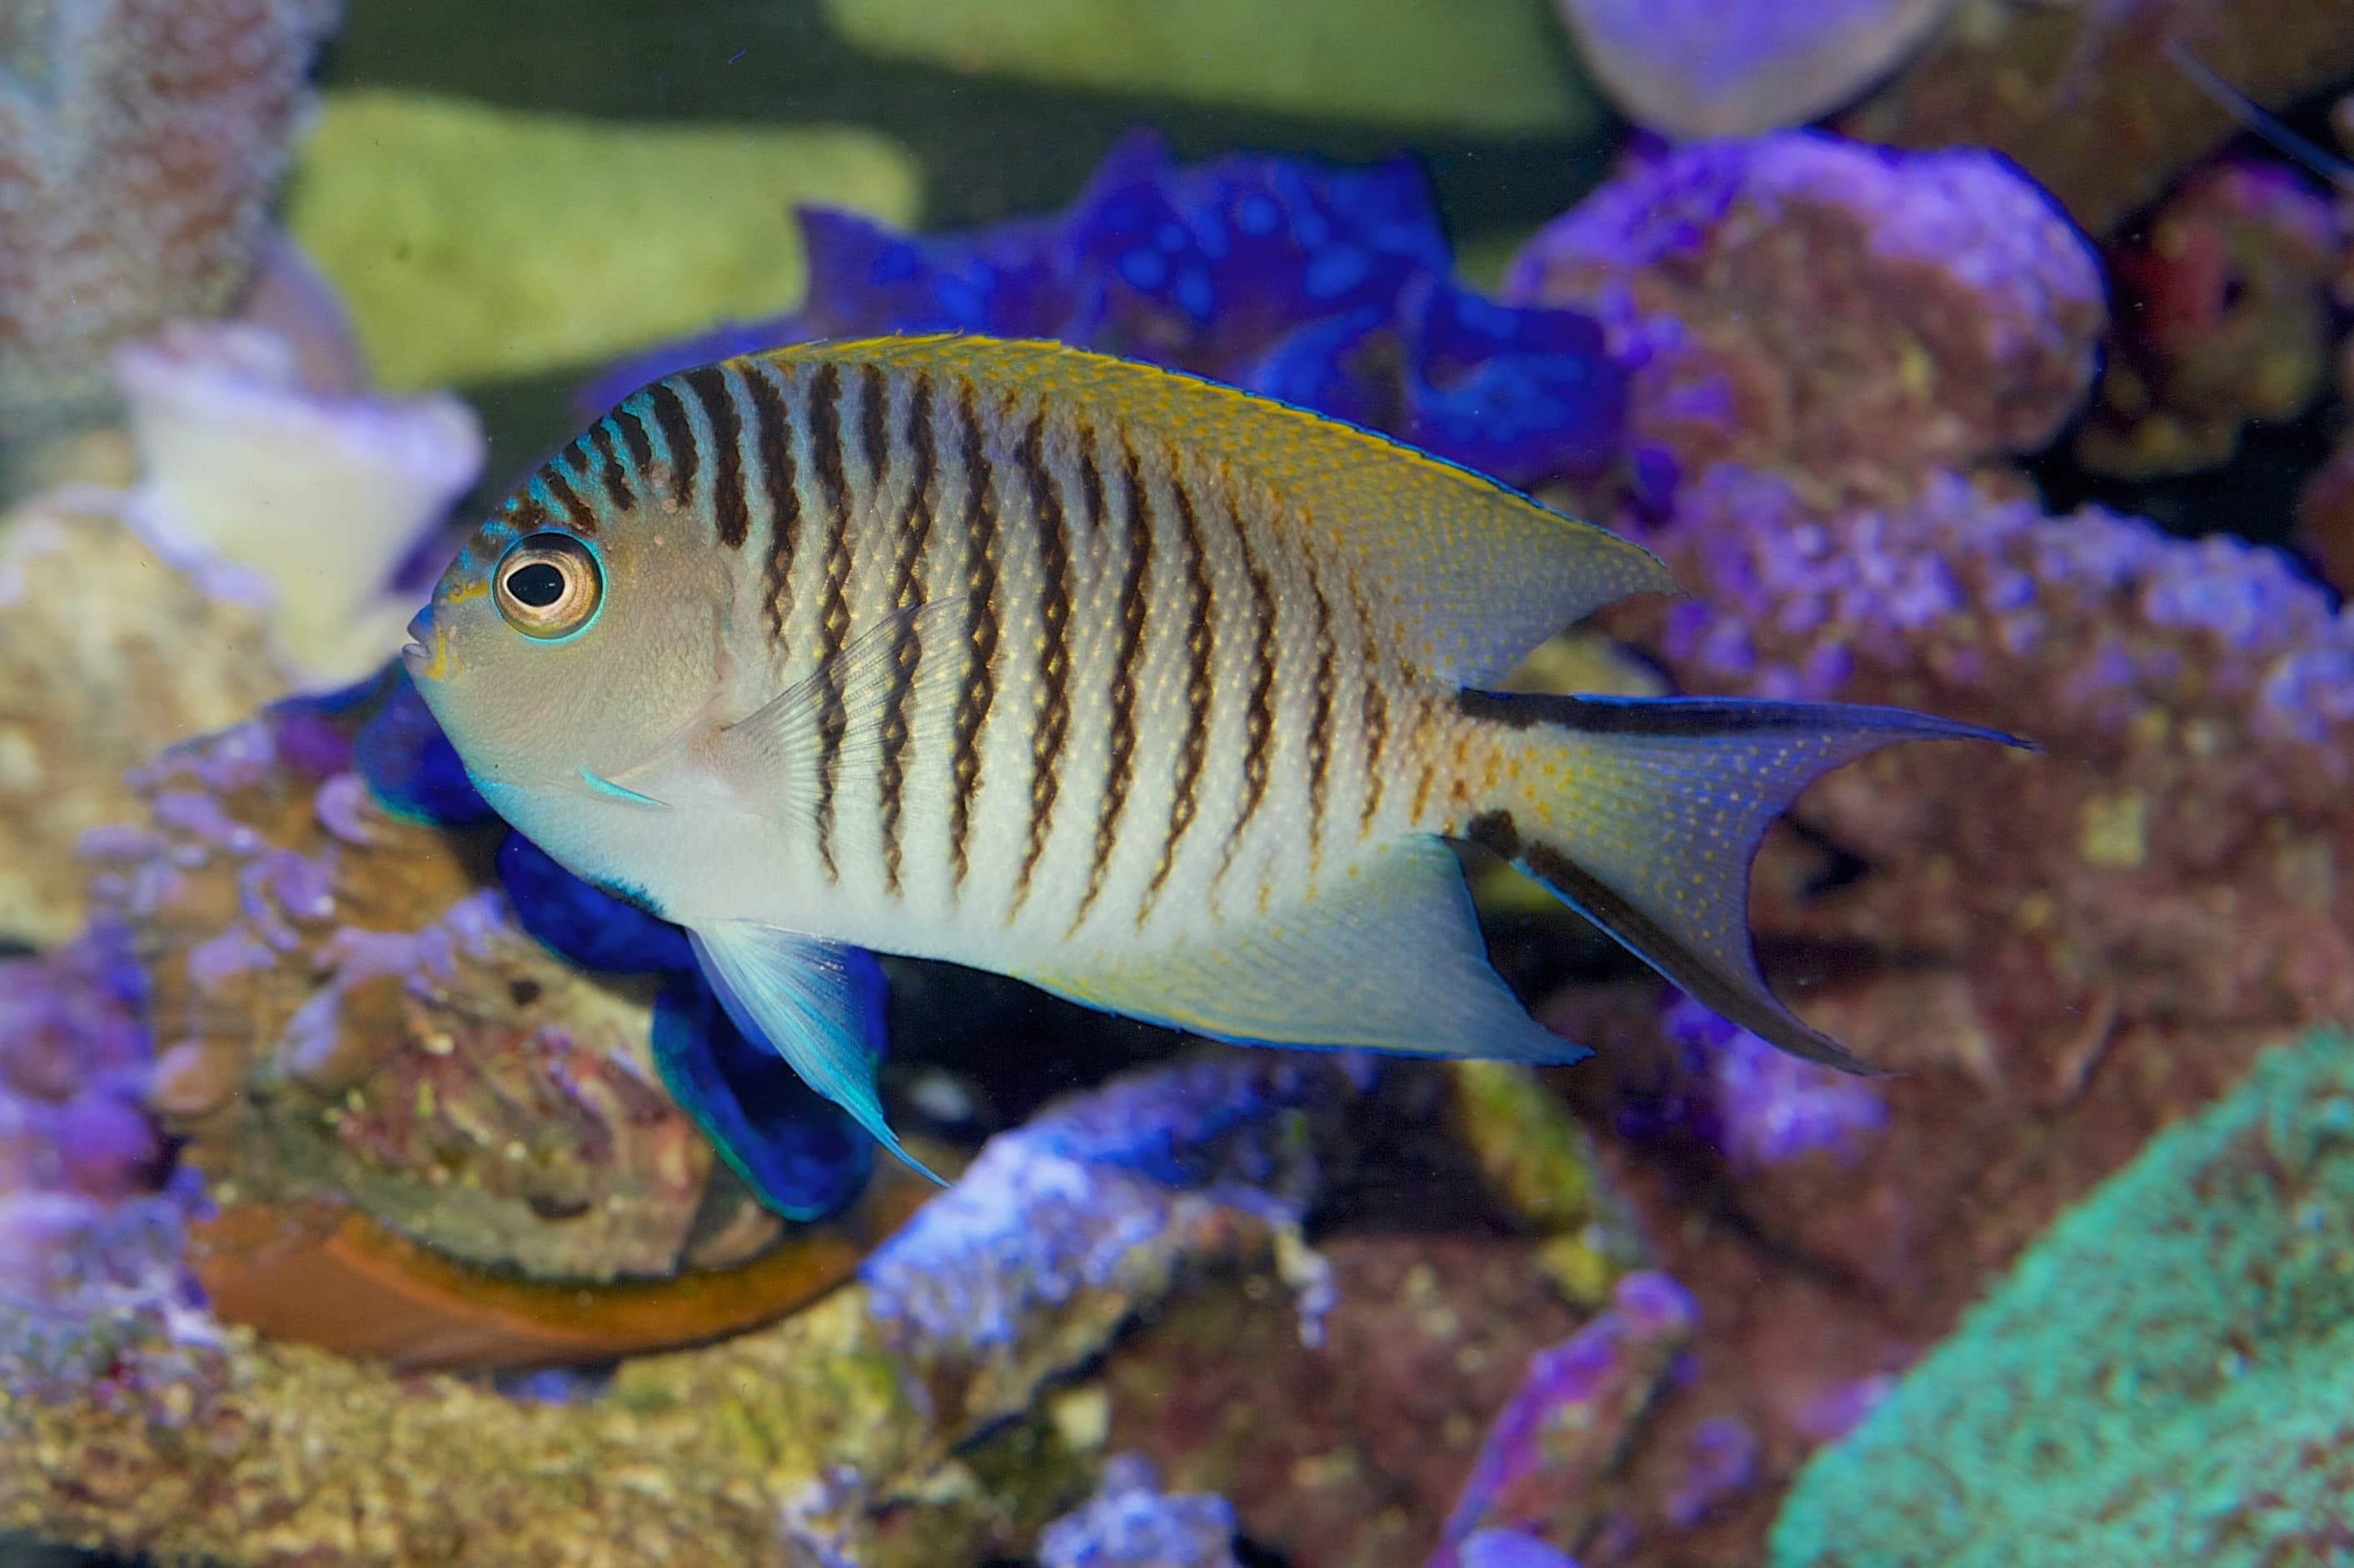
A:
1654,809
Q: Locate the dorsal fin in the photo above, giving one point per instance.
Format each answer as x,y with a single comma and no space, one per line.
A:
1479,574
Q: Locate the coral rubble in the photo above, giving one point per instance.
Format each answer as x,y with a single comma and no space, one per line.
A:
2162,1378
140,144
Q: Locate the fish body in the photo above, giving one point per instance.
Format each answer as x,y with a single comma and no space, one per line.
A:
1159,695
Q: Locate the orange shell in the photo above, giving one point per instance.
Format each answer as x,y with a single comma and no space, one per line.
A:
343,1282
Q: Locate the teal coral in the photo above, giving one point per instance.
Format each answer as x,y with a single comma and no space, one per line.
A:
2167,1377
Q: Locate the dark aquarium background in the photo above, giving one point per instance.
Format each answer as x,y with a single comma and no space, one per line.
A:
374,1191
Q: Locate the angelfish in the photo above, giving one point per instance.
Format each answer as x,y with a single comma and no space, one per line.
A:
1151,693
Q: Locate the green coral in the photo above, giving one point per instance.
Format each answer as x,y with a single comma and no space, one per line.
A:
1496,65
2168,1376
473,242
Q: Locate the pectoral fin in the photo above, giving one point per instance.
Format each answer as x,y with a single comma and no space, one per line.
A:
880,677
818,1004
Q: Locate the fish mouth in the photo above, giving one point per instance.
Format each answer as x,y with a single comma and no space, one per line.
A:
415,656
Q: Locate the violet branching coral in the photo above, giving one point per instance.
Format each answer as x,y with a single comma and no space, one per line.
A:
140,144
2163,1378
1324,286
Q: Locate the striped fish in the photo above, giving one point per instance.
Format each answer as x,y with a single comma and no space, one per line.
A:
1159,696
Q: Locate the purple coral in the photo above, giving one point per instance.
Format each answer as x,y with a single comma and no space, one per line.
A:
1132,1523
1324,286
83,1168
1571,1420
1091,1207
1762,1105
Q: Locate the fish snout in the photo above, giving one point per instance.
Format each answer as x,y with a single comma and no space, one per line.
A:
421,657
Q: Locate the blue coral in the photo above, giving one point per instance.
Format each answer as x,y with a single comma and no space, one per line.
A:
1324,286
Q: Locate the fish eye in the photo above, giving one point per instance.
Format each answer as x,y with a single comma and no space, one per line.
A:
548,585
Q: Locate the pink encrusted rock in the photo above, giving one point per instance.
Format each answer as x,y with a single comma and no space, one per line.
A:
1802,303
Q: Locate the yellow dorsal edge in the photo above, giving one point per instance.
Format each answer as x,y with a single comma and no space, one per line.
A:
1477,573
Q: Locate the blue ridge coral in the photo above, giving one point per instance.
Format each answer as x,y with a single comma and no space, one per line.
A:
1326,286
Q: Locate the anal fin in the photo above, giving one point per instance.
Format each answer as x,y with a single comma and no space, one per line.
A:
818,1004
1388,958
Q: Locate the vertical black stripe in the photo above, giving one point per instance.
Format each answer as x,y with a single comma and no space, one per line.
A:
609,471
1259,715
825,441
678,441
1133,610
560,491
908,589
1201,650
730,509
1053,652
1374,715
634,437
1320,714
773,452
873,413
1091,484
982,627
834,602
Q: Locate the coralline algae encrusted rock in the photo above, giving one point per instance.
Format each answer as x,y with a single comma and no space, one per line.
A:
142,1429
2058,954
140,144
2103,933
345,1006
2180,848
1846,311
111,656
2163,1378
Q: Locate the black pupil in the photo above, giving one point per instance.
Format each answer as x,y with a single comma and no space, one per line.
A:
536,584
